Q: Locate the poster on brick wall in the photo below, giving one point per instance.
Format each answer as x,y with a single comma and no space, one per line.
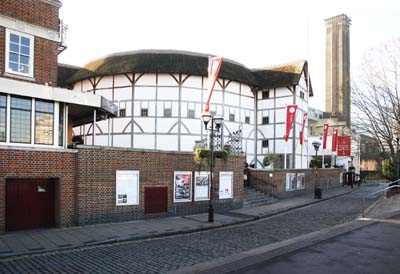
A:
301,180
182,186
225,185
127,187
202,186
291,181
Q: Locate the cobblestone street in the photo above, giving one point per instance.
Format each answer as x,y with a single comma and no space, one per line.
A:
166,254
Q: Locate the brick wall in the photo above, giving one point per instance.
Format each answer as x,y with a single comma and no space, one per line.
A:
45,52
97,182
92,173
274,181
41,164
35,12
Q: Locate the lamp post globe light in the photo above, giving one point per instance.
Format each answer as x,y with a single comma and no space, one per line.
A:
316,144
216,122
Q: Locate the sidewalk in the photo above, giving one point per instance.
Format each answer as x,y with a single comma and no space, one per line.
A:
38,241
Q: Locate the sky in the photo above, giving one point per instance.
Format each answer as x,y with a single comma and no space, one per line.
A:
255,33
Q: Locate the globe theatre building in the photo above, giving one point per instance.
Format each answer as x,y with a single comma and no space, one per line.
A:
161,96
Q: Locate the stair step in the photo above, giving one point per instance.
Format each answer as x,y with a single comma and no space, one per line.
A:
254,198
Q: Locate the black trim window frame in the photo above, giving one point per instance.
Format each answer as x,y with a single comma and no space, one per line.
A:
144,112
122,112
43,113
265,94
3,120
265,120
14,111
265,143
168,112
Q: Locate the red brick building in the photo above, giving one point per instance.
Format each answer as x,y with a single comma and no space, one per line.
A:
44,183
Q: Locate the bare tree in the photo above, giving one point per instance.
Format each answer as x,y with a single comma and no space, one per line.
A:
375,96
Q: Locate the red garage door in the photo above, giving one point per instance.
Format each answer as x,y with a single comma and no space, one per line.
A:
30,203
155,199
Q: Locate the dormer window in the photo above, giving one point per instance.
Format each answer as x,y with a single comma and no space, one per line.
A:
19,53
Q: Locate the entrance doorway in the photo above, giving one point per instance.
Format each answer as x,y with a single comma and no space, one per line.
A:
155,199
30,203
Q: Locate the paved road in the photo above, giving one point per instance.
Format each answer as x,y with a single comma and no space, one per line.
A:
170,253
370,250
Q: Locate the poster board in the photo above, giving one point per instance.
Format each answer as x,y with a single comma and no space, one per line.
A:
182,186
127,187
202,186
225,185
291,181
301,177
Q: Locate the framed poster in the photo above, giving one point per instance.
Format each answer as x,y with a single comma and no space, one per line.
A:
182,186
202,186
225,185
291,181
127,187
301,180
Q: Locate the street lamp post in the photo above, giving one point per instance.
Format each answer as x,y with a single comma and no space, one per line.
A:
216,123
317,191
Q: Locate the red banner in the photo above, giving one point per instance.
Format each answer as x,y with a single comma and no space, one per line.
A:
290,116
344,146
302,128
334,139
214,66
326,126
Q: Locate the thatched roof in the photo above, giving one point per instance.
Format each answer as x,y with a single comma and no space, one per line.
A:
161,61
171,61
64,73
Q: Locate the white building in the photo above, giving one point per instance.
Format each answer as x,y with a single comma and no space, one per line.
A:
161,95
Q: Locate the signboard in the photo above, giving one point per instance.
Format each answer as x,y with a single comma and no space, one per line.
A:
202,186
225,185
344,146
291,181
127,187
182,186
301,180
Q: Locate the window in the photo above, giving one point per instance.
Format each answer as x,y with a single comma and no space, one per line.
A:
44,121
61,125
3,117
122,112
265,143
265,120
265,94
232,117
19,53
191,113
21,109
247,120
302,94
167,112
144,112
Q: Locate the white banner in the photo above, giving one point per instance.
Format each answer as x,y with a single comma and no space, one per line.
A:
127,187
225,185
202,186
